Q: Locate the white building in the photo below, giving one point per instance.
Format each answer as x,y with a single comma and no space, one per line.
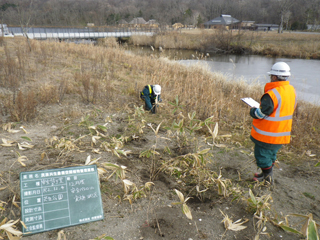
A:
4,30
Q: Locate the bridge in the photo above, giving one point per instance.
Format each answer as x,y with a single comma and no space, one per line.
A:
80,33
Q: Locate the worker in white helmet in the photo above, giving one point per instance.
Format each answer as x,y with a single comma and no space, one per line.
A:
151,94
272,121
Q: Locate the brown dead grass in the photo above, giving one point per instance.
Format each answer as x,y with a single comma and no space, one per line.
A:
66,73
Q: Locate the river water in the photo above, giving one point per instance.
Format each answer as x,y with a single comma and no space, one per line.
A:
305,74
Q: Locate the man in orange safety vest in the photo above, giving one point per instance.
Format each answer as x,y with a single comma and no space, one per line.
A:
272,121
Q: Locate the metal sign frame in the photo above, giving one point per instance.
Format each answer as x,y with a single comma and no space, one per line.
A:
58,198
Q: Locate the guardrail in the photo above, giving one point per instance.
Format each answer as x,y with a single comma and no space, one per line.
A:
82,33
92,35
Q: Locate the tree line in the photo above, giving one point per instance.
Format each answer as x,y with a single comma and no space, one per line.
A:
291,14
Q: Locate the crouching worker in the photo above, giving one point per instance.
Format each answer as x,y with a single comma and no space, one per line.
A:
272,122
151,96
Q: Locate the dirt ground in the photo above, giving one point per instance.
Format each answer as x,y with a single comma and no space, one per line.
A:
296,188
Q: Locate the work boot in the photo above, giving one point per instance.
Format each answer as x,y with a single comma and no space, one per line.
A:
258,179
259,175
266,175
269,178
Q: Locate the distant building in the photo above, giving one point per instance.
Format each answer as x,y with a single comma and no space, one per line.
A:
4,30
224,21
247,24
177,25
265,27
313,27
90,24
152,23
123,23
137,22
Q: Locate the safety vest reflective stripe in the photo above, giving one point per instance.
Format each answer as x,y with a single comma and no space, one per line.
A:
277,117
271,134
150,91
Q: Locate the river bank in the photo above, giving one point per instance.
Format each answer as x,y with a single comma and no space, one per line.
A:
251,69
287,44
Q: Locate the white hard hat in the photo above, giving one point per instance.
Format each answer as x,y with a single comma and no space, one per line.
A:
280,69
157,89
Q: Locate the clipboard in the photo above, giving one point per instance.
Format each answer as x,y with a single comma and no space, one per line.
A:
251,102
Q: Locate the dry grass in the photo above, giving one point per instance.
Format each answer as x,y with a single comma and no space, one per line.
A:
293,45
142,40
288,44
107,78
110,77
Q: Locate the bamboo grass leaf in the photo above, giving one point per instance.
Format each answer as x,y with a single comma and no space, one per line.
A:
95,138
253,199
186,211
15,203
7,143
157,130
26,138
9,227
289,229
88,160
127,182
215,131
103,128
204,151
234,226
25,145
61,235
111,165
25,131
312,232
101,171
13,131
21,160
180,195
123,152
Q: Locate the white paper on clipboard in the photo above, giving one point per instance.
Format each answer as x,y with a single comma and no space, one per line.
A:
251,102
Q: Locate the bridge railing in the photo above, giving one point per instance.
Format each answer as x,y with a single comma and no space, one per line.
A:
83,33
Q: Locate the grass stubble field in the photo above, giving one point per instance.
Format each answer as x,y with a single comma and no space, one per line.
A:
184,173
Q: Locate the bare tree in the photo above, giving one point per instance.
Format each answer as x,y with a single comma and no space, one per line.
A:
3,8
101,12
286,18
284,6
25,12
313,13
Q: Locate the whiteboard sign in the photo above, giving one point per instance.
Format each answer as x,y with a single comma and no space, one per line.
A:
58,198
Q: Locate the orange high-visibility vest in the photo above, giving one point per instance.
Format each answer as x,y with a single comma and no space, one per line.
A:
276,128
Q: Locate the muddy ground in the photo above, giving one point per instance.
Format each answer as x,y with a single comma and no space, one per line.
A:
155,217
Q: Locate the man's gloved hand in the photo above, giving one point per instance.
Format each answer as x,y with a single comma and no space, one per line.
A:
160,100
